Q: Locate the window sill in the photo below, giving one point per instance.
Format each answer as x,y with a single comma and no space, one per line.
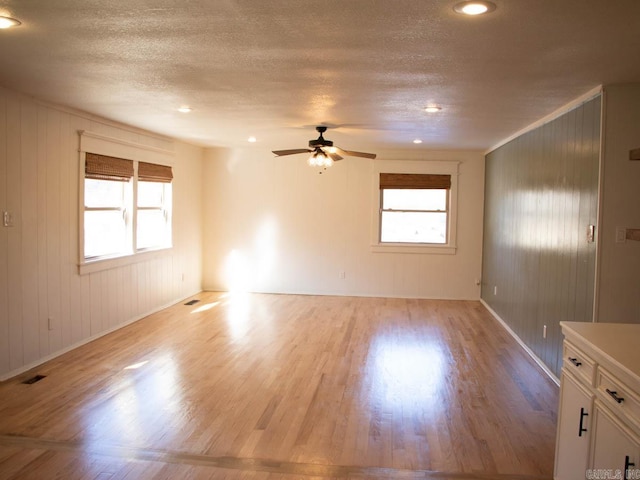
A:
410,248
101,264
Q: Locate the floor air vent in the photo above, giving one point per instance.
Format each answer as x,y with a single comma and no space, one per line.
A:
33,380
192,302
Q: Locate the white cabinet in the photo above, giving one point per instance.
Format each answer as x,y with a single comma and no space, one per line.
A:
599,413
615,447
574,426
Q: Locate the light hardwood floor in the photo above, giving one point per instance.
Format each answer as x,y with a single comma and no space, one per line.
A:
260,386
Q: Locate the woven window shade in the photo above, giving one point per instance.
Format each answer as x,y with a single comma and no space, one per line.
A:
102,167
414,181
150,172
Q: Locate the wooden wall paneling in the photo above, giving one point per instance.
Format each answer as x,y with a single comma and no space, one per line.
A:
536,231
165,278
573,223
565,223
121,294
490,228
29,222
522,236
155,272
4,242
67,190
591,191
72,207
113,298
85,305
42,297
53,164
534,228
13,202
95,302
555,252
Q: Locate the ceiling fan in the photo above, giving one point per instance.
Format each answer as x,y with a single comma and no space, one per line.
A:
323,152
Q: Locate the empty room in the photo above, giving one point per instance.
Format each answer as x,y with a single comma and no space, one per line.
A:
363,239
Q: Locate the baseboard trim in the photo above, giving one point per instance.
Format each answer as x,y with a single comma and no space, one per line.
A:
535,358
40,361
343,294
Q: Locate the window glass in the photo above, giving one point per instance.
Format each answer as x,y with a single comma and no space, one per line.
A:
153,218
414,216
105,233
103,193
152,227
150,194
414,227
414,199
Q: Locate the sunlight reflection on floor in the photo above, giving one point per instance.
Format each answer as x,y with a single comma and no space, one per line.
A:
147,396
407,374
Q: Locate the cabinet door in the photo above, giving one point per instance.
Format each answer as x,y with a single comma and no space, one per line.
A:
574,425
614,445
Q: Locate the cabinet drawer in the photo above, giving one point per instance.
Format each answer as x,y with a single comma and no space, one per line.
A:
579,363
620,398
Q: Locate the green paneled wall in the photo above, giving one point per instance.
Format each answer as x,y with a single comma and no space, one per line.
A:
541,194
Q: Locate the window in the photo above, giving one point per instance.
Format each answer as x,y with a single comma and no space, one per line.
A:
414,208
127,207
153,201
107,192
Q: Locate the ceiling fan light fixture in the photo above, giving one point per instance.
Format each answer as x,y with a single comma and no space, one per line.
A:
432,109
319,159
8,22
475,7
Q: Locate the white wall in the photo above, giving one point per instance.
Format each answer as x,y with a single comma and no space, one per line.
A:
619,263
39,170
275,225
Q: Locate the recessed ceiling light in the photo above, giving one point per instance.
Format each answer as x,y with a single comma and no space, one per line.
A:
8,22
252,139
417,140
476,7
432,108
184,109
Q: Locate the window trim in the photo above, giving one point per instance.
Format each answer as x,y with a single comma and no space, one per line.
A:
425,167
91,142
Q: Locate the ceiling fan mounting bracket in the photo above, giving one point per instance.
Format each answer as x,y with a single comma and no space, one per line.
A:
320,141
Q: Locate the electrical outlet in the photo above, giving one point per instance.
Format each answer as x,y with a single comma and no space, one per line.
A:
342,275
621,235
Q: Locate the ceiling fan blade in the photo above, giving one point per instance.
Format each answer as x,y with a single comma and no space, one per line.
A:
351,153
334,156
280,153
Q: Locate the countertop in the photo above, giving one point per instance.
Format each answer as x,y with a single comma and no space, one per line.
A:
617,342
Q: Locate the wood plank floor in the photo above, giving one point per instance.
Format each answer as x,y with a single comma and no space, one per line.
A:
258,386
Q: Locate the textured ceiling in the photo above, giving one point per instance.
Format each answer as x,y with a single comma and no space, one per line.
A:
273,68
